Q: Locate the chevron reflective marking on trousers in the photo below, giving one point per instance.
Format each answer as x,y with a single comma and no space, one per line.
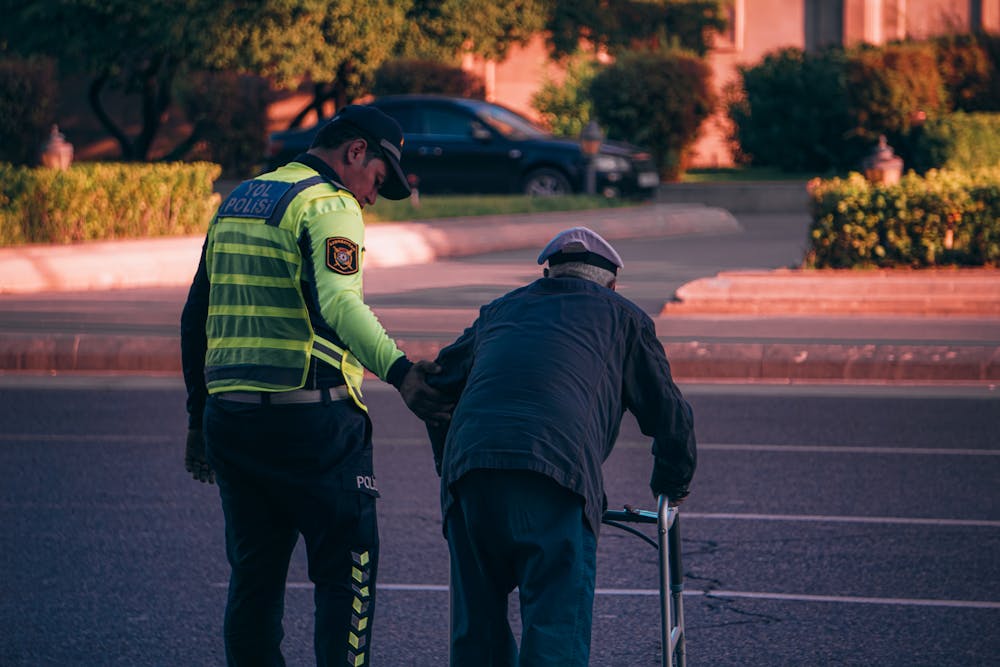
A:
358,639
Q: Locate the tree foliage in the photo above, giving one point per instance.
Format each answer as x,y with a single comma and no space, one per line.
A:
337,46
142,48
622,25
137,48
445,29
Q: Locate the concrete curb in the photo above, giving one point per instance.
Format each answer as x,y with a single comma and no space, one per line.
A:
171,262
740,362
926,292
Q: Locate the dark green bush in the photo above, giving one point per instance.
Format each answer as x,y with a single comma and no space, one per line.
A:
824,111
792,112
657,100
426,76
943,218
27,108
991,98
99,201
956,141
889,87
229,115
966,71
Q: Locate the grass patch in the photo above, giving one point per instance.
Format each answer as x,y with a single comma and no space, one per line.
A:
451,206
736,174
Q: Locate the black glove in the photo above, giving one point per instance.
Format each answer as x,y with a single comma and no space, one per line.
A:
194,457
661,485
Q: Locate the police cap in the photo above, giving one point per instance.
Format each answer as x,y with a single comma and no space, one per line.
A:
382,131
579,244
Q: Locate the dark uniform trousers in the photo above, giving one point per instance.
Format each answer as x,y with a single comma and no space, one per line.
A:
513,528
282,471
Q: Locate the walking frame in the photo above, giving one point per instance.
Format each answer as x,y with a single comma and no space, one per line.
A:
668,544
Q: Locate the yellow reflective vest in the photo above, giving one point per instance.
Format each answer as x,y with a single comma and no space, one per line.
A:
261,252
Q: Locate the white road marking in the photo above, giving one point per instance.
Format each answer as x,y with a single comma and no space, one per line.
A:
834,518
835,449
765,447
753,595
410,441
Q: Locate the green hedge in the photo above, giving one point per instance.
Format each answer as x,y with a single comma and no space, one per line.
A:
98,201
912,223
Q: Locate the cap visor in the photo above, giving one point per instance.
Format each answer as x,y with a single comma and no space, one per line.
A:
395,185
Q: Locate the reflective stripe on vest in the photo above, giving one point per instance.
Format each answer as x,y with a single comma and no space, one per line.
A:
259,334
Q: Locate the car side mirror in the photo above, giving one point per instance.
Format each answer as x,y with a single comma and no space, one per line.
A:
480,133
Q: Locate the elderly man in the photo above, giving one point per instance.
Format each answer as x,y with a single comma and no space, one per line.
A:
541,381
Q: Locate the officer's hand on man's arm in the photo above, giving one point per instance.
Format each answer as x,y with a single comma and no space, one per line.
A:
424,401
194,457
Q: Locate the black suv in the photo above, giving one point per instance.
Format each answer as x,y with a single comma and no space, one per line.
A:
460,145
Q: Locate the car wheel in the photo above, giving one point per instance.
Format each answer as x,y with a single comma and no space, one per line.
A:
546,182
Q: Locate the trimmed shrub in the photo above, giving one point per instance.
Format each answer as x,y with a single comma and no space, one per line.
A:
943,218
792,112
229,114
656,100
566,108
27,108
426,76
956,141
100,201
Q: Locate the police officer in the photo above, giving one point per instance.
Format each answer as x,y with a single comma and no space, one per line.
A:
541,379
275,338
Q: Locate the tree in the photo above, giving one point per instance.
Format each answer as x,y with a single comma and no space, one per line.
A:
335,45
138,48
621,25
445,29
142,48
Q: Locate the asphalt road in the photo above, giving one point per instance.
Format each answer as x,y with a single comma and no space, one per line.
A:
827,525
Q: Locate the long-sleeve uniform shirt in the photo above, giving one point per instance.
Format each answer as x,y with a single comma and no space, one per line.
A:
544,376
331,243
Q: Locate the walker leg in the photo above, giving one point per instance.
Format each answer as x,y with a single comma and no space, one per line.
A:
671,584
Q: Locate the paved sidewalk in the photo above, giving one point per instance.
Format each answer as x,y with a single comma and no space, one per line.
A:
747,326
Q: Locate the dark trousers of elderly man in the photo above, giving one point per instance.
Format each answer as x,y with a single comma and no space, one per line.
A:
540,381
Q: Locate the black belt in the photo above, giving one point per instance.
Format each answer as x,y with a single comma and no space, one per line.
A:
325,395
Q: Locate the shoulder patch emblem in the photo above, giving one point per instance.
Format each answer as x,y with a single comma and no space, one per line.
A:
342,255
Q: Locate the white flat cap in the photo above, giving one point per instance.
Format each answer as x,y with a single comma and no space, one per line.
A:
579,244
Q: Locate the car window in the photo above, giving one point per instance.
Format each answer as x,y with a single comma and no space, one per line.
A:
407,117
446,122
508,123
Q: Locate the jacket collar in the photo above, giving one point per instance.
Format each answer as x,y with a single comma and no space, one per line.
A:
322,168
